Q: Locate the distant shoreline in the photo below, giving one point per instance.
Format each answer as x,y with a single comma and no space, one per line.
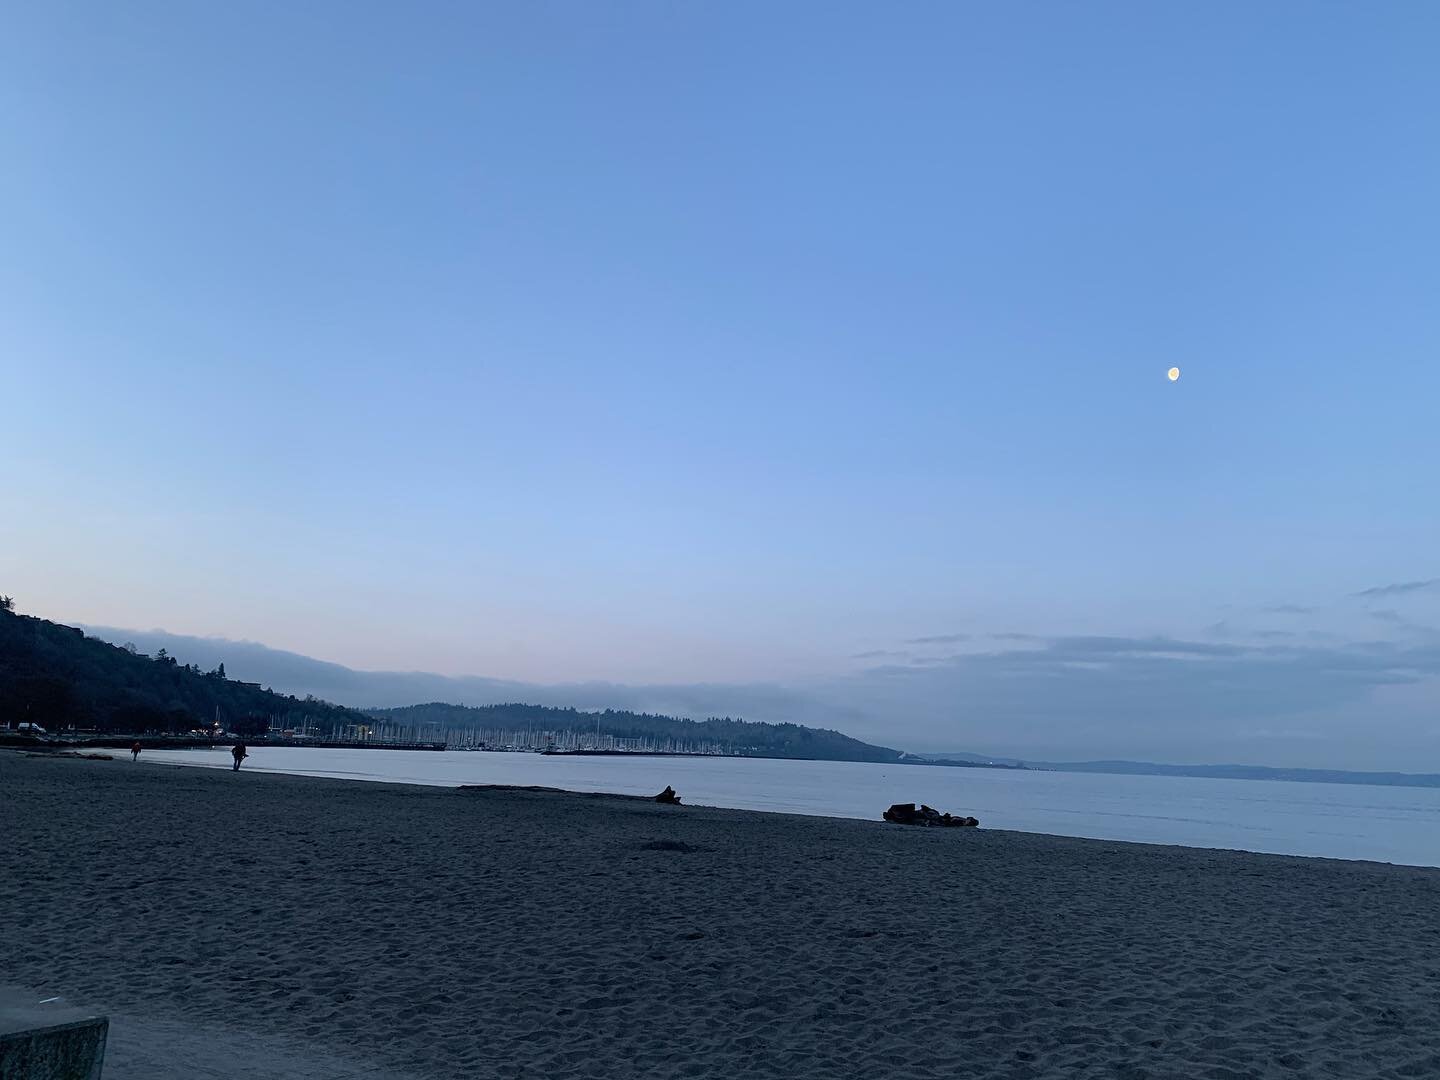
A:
12,740
162,742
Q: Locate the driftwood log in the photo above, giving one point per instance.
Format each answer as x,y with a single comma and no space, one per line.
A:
907,814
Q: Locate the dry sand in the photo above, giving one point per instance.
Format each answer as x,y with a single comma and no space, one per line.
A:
246,924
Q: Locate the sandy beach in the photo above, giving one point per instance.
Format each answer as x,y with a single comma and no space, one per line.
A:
283,926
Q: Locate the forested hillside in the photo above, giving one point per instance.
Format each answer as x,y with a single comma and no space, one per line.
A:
719,735
55,676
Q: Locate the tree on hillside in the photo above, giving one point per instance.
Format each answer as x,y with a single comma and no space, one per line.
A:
7,603
41,699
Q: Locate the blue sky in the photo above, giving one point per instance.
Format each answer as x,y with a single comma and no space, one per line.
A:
741,344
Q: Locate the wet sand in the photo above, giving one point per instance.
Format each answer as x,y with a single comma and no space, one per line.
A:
247,924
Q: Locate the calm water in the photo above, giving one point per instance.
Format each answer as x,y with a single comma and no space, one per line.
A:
1341,821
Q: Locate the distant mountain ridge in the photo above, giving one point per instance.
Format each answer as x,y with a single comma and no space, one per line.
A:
295,673
299,674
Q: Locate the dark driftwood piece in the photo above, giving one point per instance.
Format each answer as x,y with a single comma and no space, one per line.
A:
906,814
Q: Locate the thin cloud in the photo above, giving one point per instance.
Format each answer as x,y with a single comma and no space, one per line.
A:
1288,609
938,639
1399,588
1096,645
1394,618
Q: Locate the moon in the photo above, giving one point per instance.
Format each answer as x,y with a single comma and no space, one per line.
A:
1173,373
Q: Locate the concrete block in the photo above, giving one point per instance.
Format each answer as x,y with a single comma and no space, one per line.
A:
45,1039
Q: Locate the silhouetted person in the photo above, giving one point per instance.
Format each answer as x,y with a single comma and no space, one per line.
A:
238,753
668,796
135,750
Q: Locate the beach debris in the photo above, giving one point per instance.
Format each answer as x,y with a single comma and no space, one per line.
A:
668,796
906,814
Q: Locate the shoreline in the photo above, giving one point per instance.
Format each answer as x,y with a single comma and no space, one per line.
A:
576,793
498,932
1219,814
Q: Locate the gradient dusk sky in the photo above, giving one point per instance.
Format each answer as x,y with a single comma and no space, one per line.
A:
817,346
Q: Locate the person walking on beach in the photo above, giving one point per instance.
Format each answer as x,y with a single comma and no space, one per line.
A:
135,750
238,753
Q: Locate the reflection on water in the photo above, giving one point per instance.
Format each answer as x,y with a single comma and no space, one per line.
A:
1342,821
